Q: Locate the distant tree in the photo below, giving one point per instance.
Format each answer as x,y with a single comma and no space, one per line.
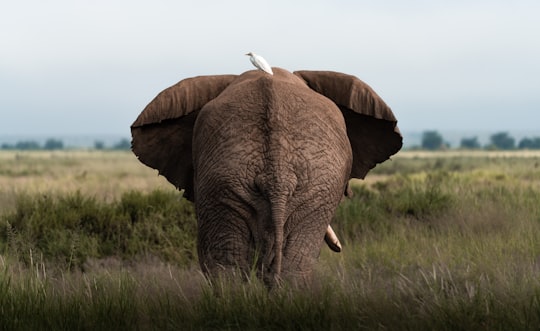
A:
27,145
98,144
122,144
536,143
470,143
432,140
529,143
7,146
53,144
502,140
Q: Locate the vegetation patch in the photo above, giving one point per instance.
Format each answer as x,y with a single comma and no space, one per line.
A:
68,229
437,242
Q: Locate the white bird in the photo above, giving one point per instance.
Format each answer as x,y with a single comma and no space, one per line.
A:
260,63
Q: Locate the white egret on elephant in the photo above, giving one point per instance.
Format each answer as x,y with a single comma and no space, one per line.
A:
259,62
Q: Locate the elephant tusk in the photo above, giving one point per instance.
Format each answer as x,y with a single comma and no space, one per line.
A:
332,240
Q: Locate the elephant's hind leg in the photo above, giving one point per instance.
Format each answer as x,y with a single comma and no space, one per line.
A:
223,241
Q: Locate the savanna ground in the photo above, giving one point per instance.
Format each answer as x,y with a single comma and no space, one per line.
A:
431,241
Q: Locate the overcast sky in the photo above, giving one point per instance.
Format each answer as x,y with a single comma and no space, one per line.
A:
90,67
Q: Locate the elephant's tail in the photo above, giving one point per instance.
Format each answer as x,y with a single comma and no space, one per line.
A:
278,198
278,221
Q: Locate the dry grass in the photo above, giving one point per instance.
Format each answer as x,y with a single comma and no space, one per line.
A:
105,175
469,258
102,173
496,154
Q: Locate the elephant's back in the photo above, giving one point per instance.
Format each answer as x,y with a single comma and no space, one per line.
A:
274,128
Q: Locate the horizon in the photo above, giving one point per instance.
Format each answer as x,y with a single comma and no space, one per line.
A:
411,139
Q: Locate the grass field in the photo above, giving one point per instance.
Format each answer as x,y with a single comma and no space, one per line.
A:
432,241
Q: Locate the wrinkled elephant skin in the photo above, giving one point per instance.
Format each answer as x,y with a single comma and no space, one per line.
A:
266,160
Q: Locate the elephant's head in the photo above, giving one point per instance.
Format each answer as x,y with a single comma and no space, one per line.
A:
248,126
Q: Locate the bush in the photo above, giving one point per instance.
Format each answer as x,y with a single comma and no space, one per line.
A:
99,145
529,143
502,140
71,228
27,145
123,144
53,144
470,143
420,198
432,140
400,197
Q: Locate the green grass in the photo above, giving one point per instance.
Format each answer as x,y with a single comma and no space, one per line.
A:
68,229
430,242
437,298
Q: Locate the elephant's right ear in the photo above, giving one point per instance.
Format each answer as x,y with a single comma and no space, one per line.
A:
371,125
162,133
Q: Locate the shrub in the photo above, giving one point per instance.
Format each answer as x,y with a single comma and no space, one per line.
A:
416,197
419,198
53,144
70,228
470,143
502,140
432,140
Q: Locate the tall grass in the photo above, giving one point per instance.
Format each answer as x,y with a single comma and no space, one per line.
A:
437,298
443,244
68,229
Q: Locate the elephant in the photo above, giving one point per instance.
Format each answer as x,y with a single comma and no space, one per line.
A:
266,159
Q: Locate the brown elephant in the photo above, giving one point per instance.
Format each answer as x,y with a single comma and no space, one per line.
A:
266,159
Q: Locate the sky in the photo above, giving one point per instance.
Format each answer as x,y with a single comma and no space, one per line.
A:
89,67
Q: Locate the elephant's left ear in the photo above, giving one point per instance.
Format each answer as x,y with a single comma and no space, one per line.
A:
371,125
162,133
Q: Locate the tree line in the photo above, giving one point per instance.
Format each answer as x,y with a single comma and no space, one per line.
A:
433,140
52,144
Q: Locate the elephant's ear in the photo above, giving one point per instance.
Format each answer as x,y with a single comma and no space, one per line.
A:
371,125
162,133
